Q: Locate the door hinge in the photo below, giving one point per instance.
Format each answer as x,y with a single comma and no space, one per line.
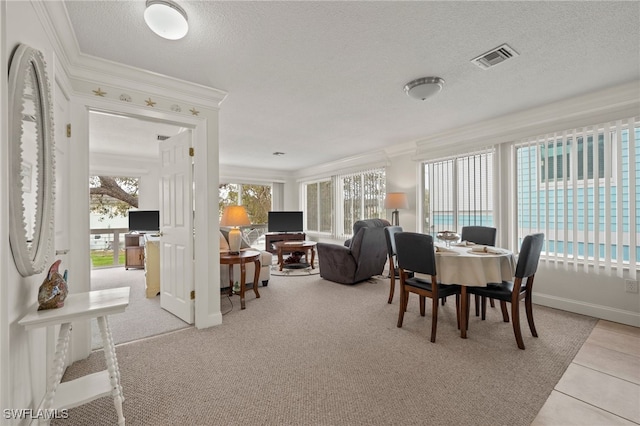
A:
193,294
191,152
69,130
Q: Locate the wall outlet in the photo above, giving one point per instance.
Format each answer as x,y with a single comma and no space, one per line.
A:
631,286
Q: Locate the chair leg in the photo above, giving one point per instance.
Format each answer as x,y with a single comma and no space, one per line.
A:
458,310
434,319
422,303
444,300
529,308
403,305
515,321
467,313
484,307
493,305
477,300
505,313
392,286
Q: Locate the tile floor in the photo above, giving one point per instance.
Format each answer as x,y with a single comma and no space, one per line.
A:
602,384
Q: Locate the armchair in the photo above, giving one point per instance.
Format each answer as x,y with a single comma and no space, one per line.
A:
365,256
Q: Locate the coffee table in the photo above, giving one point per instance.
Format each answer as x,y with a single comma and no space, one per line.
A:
241,259
294,246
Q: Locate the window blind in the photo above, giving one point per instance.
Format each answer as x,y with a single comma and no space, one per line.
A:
580,187
459,192
361,196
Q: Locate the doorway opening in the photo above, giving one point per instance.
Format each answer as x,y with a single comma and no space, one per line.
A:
124,169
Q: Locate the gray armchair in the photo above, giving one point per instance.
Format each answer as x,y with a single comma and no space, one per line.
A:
365,256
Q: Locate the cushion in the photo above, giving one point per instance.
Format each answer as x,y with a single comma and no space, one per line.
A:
224,245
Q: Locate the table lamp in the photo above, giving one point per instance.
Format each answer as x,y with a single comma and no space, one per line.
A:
234,216
396,200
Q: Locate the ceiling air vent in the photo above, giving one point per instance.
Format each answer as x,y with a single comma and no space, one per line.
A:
495,56
163,138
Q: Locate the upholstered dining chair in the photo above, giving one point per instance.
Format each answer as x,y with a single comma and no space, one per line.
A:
520,288
390,233
484,235
416,254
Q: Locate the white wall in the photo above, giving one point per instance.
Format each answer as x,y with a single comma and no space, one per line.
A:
23,366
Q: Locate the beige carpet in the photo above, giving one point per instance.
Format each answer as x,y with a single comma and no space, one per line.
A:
143,317
313,352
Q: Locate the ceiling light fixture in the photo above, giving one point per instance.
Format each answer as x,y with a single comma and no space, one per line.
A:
166,19
278,153
423,88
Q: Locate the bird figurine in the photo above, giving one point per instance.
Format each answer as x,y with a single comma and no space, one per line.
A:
54,289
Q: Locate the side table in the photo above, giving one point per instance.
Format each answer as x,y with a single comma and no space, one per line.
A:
241,259
80,306
294,246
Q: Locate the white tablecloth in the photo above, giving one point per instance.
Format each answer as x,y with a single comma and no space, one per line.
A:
460,265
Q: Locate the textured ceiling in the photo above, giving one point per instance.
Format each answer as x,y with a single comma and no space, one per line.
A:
323,80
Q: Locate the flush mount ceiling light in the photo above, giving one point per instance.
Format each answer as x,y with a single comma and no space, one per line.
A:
166,19
423,88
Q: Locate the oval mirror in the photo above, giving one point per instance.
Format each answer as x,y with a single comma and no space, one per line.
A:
31,156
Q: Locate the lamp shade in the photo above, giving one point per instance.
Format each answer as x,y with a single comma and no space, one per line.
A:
166,18
235,216
396,200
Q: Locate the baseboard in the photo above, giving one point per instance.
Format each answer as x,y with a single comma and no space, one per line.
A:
597,311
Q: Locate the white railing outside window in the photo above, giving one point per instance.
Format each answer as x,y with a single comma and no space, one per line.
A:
580,188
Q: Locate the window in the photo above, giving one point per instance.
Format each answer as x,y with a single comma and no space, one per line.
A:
552,153
587,208
362,197
458,192
255,198
319,206
356,196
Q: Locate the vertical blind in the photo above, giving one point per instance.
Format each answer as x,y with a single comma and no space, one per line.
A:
361,196
459,192
580,187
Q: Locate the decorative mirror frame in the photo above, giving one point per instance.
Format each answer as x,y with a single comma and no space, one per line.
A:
31,257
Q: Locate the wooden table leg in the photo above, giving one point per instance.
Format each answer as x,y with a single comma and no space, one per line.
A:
313,257
230,280
256,278
463,312
243,276
280,260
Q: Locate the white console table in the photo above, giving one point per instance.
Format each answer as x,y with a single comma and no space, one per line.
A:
80,306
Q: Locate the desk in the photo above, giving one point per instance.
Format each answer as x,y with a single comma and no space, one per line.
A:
294,246
241,259
80,306
461,265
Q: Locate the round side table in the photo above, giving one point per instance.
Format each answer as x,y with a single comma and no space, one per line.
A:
241,259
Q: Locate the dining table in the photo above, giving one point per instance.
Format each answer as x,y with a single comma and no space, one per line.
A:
470,265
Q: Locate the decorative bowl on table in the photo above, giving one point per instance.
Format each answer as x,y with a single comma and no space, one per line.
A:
448,237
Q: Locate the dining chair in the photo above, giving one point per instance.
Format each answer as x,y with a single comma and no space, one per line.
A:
415,254
389,233
486,236
521,287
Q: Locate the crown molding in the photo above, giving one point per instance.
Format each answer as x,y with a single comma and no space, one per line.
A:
251,175
346,165
81,68
605,105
